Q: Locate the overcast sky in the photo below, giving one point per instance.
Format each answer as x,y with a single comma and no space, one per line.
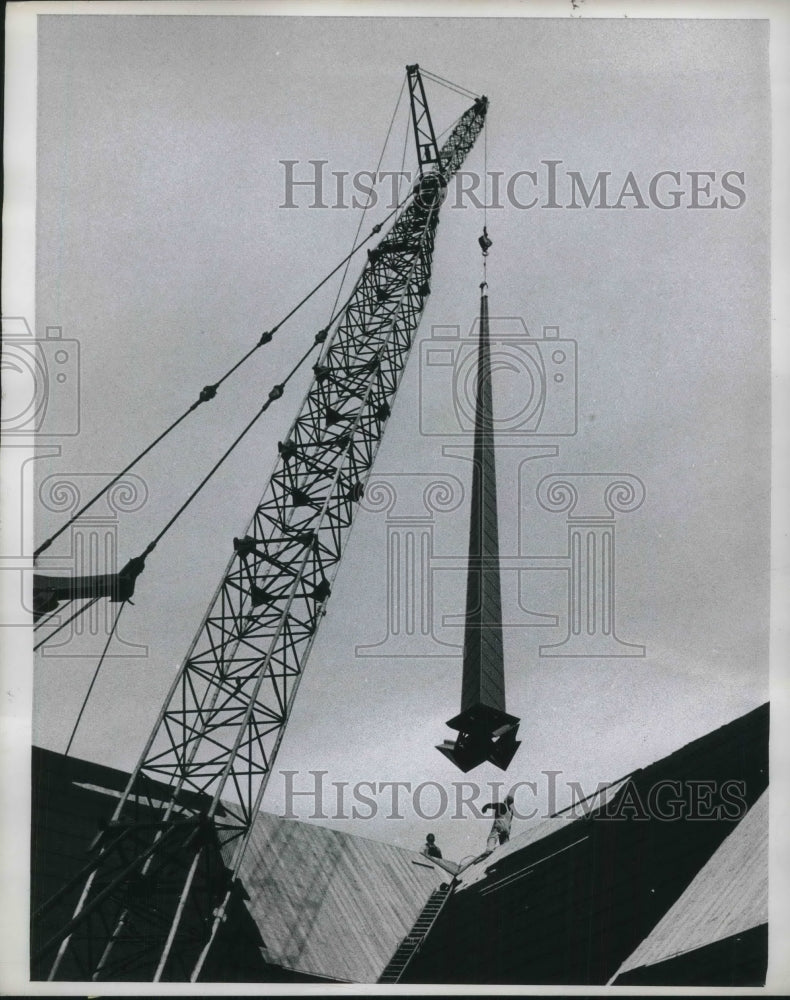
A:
163,249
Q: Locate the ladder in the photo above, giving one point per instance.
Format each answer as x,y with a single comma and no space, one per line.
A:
411,944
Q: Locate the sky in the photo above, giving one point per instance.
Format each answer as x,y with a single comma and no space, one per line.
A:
163,251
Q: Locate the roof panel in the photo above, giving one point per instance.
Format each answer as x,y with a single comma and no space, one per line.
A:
541,830
331,904
728,896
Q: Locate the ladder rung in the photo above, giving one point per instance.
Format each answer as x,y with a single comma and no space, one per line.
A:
411,943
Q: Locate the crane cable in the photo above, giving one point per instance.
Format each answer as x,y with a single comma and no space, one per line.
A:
485,171
403,156
94,678
67,621
485,242
275,393
464,91
370,200
210,391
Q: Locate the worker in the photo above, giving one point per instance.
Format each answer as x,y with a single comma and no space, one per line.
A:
503,817
431,850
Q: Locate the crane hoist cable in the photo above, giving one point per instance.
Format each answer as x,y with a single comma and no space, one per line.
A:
403,157
485,241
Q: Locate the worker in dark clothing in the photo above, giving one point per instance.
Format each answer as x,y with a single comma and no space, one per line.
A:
431,850
503,817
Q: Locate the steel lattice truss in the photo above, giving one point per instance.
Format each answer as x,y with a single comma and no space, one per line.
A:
164,869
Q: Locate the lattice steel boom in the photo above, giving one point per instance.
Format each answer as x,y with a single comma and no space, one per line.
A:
165,868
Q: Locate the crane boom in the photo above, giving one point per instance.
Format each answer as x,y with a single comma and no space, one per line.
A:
166,866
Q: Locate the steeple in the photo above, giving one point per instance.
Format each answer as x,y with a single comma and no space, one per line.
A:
485,730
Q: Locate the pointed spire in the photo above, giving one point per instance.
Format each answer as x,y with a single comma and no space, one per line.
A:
483,674
486,731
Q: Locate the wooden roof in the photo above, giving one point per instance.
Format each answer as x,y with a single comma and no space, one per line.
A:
331,904
326,903
728,896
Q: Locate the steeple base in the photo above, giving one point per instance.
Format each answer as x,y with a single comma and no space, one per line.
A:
484,734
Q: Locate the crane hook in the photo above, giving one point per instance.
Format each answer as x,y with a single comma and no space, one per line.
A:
485,242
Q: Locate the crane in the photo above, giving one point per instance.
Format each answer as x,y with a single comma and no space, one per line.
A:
164,869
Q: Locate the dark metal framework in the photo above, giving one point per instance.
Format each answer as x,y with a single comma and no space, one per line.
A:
165,869
427,150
